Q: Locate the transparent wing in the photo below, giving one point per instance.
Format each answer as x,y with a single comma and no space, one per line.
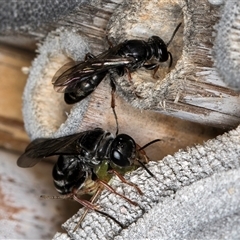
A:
45,147
69,75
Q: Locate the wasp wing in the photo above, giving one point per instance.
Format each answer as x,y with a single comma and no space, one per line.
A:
68,76
64,69
45,147
68,73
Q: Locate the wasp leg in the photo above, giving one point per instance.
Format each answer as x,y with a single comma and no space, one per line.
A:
155,70
85,203
150,66
113,86
89,56
92,200
66,196
125,181
111,45
90,206
153,67
108,187
128,73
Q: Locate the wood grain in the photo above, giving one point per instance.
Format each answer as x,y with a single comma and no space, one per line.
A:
198,100
193,89
12,79
24,215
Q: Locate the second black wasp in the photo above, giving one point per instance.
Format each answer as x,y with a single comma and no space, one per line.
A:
79,79
87,161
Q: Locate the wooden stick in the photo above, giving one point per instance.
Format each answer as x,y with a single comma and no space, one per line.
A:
12,60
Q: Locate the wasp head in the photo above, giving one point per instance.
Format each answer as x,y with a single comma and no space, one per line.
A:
123,150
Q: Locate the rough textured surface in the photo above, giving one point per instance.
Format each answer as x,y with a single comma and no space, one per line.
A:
27,16
196,193
34,20
208,209
193,89
227,44
44,118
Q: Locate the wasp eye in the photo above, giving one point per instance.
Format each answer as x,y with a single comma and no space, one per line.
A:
123,150
116,155
120,160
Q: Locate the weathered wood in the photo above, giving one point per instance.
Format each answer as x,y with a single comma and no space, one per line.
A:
23,214
192,89
12,133
90,19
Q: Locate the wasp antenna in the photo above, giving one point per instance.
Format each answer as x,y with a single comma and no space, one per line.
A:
67,196
111,42
150,143
174,33
149,172
170,63
115,115
141,163
113,86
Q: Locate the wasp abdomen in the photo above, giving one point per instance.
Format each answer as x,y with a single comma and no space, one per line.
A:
67,173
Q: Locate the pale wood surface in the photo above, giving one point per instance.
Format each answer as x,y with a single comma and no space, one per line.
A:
23,214
12,79
142,125
193,90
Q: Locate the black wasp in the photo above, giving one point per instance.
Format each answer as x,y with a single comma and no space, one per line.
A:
79,79
86,163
